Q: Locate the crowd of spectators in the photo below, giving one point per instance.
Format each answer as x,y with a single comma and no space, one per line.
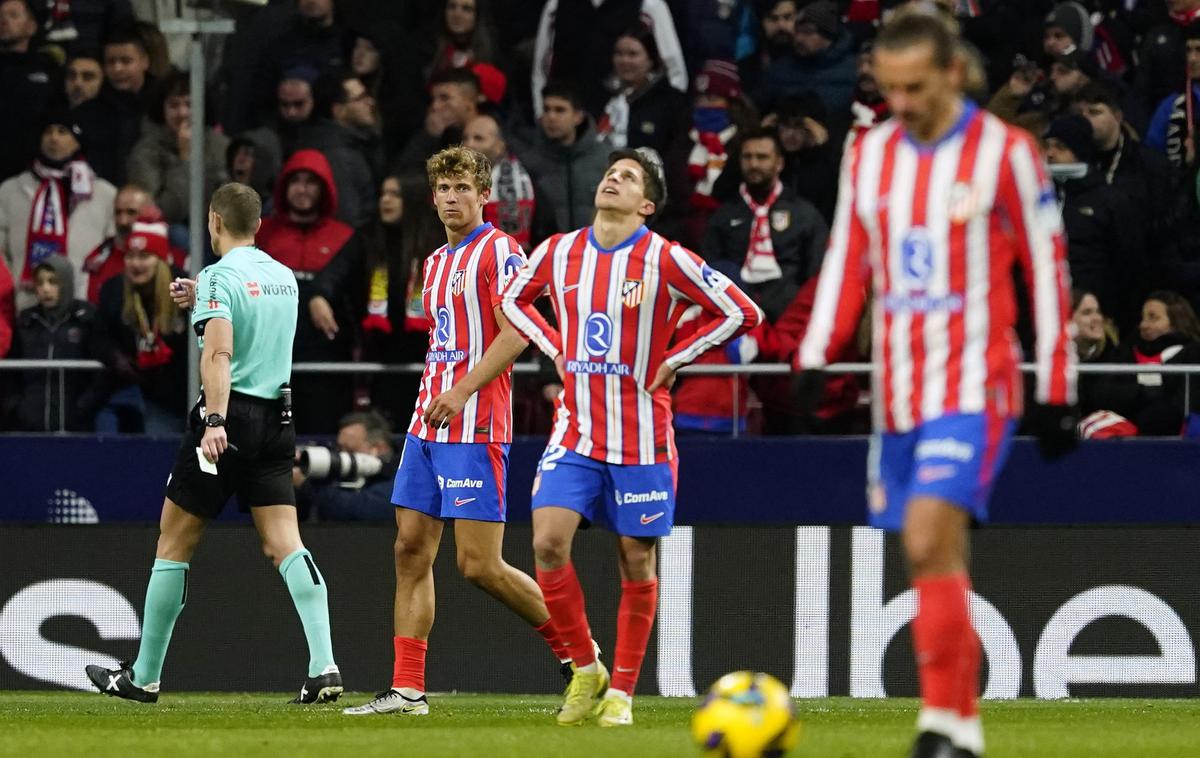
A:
330,107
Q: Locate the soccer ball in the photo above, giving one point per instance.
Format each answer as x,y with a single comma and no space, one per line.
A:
746,715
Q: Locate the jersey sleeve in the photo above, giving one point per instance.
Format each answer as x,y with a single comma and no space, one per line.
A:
842,282
1029,202
506,260
691,280
214,298
526,286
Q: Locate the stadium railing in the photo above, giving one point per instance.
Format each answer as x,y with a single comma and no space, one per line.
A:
761,369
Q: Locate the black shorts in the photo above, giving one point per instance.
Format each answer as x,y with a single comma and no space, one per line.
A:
259,472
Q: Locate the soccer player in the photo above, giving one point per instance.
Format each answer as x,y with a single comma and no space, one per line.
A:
617,289
239,440
935,208
455,460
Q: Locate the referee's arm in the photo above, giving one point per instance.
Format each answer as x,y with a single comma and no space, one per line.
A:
214,377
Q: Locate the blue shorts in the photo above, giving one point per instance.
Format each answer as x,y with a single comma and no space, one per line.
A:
954,458
452,480
633,501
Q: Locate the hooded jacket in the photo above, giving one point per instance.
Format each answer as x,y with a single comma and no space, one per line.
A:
831,74
307,249
65,332
567,175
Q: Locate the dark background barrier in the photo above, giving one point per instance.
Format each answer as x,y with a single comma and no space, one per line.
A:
757,480
1081,611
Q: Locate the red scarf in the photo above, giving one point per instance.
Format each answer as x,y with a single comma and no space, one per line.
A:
706,162
510,208
1185,18
52,207
760,265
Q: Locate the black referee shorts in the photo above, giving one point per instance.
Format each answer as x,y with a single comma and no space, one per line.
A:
259,472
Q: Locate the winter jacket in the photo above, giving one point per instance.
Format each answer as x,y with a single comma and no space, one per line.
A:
356,157
50,401
1153,402
1146,179
112,124
30,82
165,385
307,249
88,225
1105,251
346,283
567,174
798,235
658,117
155,166
832,75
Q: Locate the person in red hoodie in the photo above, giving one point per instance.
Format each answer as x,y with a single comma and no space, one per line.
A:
303,234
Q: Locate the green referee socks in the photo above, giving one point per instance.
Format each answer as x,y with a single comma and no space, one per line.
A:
165,596
312,603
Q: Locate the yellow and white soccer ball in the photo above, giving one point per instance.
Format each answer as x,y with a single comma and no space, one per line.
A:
746,715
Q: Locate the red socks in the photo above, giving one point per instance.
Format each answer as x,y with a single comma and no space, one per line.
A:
941,632
409,667
635,619
968,691
564,600
550,635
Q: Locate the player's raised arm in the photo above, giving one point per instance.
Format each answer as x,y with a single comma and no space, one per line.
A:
1029,201
842,286
524,289
690,279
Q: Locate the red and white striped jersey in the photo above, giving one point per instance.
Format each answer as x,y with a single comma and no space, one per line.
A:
617,310
462,288
937,229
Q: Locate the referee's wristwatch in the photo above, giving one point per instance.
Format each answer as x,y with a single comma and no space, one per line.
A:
214,420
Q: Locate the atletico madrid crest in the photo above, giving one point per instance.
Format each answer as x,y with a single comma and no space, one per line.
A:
631,293
458,281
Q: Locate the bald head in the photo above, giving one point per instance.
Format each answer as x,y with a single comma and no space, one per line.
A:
129,203
482,133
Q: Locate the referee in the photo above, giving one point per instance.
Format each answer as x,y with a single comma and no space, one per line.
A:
239,441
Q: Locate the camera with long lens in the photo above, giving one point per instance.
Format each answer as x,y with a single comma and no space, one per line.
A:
349,470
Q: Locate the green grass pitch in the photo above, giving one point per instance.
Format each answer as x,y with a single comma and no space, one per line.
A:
498,726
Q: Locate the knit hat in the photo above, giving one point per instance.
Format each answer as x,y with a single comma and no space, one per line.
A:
1073,19
823,15
62,116
719,78
149,237
1075,132
492,82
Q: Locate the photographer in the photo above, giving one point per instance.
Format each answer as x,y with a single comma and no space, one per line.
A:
353,480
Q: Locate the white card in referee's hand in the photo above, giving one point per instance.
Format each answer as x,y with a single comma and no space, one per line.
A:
206,465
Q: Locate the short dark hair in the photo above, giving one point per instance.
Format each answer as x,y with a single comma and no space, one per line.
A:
654,185
761,132
464,77
914,28
127,35
377,427
645,37
239,207
1098,93
565,91
175,84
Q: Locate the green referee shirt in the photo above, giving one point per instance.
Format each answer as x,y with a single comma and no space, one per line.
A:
259,296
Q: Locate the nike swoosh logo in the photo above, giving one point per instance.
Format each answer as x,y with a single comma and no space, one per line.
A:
570,288
650,519
459,502
736,221
623,670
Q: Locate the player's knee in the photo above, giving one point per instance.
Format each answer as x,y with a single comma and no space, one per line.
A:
411,554
926,554
479,570
551,549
